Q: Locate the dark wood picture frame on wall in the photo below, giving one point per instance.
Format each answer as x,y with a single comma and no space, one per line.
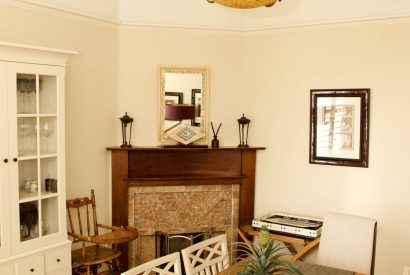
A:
196,100
339,127
174,98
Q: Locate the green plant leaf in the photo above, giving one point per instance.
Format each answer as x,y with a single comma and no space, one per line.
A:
263,257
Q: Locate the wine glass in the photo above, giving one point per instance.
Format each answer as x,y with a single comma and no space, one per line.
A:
25,129
45,227
31,95
47,128
22,90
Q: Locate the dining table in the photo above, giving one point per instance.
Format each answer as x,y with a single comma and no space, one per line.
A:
304,267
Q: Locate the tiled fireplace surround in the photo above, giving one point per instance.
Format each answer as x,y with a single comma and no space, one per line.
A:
180,190
179,210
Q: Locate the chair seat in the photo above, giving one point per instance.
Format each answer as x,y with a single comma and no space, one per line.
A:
93,255
115,237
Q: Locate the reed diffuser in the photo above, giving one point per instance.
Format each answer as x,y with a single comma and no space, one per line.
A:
215,141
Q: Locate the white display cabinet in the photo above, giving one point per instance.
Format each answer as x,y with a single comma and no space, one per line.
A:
33,234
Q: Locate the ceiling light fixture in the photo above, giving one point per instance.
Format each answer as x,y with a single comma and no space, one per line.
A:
245,4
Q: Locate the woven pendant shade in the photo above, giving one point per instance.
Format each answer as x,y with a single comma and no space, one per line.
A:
244,4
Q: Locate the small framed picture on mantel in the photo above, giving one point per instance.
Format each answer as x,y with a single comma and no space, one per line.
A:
339,127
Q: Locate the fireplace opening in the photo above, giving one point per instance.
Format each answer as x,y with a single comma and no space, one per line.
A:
169,243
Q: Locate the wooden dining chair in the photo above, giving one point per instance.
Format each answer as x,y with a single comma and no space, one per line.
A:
166,265
348,242
207,257
96,248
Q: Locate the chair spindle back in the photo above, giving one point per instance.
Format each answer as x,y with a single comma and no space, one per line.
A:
79,208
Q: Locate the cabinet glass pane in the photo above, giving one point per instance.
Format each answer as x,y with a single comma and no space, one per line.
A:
48,176
28,185
27,136
48,135
26,94
48,94
49,214
29,221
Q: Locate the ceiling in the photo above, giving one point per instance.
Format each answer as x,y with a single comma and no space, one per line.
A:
199,14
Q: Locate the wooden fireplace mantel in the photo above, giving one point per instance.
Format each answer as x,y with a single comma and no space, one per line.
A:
156,166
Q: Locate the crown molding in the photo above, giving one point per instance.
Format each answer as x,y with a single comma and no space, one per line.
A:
329,25
182,29
258,31
216,30
53,10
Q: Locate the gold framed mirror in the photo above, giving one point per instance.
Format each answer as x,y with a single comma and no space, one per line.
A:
188,86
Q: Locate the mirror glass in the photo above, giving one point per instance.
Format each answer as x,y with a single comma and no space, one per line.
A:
183,86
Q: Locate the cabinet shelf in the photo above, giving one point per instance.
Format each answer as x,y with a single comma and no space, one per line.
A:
45,156
28,196
47,195
29,115
31,157
25,196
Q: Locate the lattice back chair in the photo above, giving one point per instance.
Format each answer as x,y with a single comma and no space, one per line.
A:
166,265
207,257
348,242
96,248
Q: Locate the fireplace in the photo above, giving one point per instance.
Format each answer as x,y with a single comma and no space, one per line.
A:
180,210
180,191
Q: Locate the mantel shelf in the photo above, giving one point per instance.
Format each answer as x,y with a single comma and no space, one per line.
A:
154,148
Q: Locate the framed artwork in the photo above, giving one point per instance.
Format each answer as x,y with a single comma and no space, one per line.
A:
339,127
196,100
174,98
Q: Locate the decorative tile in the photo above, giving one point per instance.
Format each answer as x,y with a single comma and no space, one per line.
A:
181,209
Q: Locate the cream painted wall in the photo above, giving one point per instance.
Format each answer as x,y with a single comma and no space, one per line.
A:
281,69
140,54
90,93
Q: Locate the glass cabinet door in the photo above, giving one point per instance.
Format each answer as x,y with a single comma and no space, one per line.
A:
35,89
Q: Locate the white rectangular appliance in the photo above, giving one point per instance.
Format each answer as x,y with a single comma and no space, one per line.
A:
290,224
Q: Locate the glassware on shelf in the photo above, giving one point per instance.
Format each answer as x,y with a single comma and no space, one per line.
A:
29,218
46,130
23,231
27,185
49,216
25,130
33,140
27,89
45,227
51,185
34,231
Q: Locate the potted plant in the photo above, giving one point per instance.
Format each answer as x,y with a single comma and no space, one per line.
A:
263,257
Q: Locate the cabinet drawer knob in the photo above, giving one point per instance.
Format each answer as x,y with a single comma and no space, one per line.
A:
32,270
15,159
5,160
58,260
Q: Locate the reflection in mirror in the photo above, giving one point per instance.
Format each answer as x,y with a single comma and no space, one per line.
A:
187,86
